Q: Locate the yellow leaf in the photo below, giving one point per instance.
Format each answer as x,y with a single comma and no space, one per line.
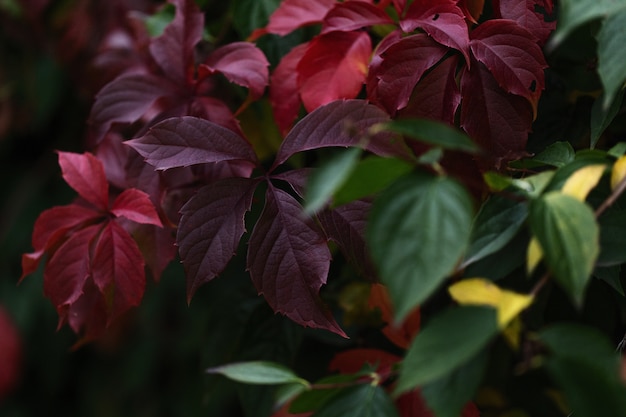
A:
480,291
512,333
583,180
533,255
619,172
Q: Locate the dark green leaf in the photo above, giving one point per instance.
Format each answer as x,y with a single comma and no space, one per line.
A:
364,400
502,262
258,372
610,275
602,117
433,133
612,55
371,175
446,343
418,231
329,177
313,399
447,396
569,236
618,150
612,238
556,154
252,14
496,224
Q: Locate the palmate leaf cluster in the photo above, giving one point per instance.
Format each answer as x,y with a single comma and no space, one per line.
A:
389,176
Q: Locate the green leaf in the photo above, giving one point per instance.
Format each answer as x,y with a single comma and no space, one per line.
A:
288,392
365,400
447,396
573,13
612,238
258,372
449,341
433,133
156,23
497,222
252,14
610,275
418,230
569,236
582,160
556,154
585,365
327,179
612,55
618,150
370,176
602,117
313,399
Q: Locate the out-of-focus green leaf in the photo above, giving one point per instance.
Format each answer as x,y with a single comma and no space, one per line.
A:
556,154
610,275
569,236
618,150
156,23
446,343
612,238
365,400
612,55
418,230
258,372
315,398
433,133
602,117
249,15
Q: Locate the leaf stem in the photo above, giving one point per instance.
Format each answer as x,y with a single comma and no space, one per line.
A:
617,192
541,283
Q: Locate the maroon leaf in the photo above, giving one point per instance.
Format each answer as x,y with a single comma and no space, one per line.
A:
340,123
496,120
213,110
211,227
88,315
69,268
472,9
174,49
157,245
513,57
10,354
345,225
402,65
288,260
118,270
241,63
525,15
126,99
296,178
334,66
284,94
135,205
354,15
85,174
441,19
185,141
437,95
293,14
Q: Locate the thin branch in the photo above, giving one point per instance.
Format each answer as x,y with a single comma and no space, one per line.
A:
617,192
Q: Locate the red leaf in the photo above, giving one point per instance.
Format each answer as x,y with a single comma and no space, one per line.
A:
354,15
87,316
294,14
525,15
441,19
126,99
352,361
340,123
284,93
135,205
437,95
69,268
157,245
10,354
288,260
185,141
118,270
345,225
241,63
512,56
174,49
85,174
211,227
496,120
472,9
400,335
402,65
334,66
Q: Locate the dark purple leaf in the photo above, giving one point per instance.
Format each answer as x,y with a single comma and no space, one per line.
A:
213,110
288,260
297,179
524,13
174,49
211,227
157,245
354,15
185,141
340,123
345,225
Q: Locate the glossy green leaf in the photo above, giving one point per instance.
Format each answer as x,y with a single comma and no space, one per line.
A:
327,179
447,342
602,117
497,222
258,372
433,133
612,238
573,13
556,154
370,176
365,400
419,229
447,396
612,55
569,236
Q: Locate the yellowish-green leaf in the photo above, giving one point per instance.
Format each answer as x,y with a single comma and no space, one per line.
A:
534,254
512,333
619,172
581,182
482,292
